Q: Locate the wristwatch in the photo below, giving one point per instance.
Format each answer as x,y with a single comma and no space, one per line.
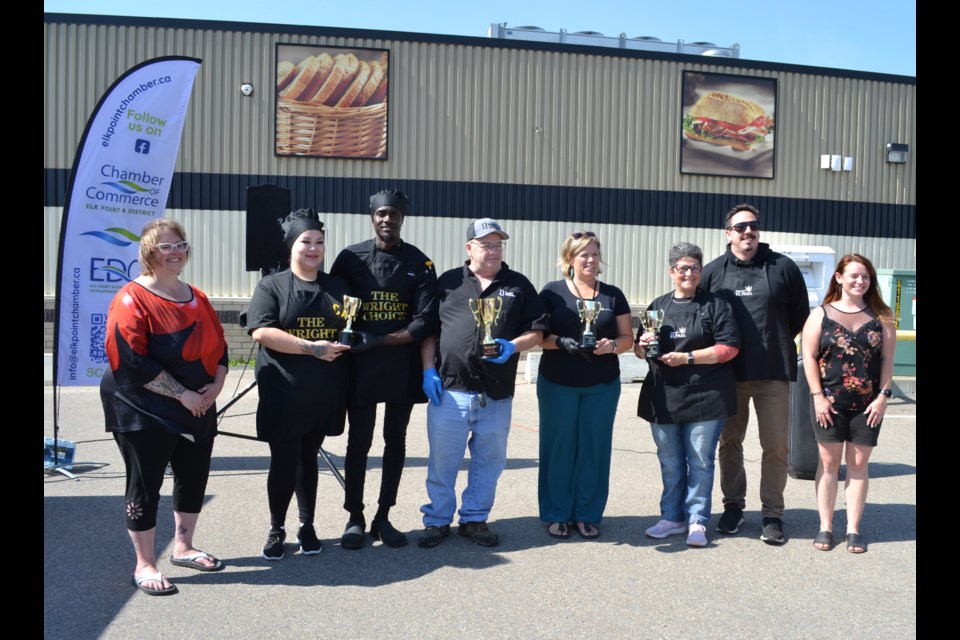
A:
690,357
886,392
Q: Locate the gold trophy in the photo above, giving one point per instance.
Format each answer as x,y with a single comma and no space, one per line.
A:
589,310
486,312
652,321
351,306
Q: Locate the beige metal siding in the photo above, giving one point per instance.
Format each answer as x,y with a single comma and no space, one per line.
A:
468,114
635,257
483,114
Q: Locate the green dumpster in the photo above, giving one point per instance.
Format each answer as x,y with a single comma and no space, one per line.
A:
899,290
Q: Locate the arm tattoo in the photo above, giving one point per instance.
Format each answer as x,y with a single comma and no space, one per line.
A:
313,349
166,385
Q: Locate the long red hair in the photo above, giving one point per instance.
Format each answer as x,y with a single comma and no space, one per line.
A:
871,297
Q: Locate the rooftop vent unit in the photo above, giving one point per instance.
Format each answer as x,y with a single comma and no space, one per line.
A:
596,39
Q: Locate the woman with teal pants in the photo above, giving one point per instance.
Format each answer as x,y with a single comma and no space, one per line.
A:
578,387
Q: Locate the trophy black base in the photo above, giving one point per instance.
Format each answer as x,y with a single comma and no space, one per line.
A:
491,350
653,350
346,337
588,343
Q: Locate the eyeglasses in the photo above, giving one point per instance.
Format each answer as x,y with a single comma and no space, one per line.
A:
684,269
490,246
167,247
585,234
740,227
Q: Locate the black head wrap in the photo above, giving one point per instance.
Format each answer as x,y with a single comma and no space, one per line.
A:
297,222
389,198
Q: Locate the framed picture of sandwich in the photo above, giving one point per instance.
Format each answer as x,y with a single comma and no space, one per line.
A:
331,102
727,125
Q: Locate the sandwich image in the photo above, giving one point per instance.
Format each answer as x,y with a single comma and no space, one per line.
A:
722,119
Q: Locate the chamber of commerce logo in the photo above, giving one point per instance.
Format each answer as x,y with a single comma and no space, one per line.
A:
127,187
116,236
113,269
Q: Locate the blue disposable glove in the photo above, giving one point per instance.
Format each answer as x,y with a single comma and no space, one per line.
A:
432,386
507,349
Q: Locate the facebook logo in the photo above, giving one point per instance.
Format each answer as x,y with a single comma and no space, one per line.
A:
142,146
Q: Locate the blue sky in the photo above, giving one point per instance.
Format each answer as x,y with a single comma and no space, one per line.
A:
862,35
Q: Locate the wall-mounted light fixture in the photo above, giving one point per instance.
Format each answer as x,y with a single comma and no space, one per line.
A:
246,89
897,153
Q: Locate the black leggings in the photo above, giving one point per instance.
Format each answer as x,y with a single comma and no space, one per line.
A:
293,468
145,455
359,440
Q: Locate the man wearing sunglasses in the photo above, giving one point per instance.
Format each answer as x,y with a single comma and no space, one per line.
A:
769,300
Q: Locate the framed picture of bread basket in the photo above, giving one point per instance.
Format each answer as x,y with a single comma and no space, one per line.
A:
331,102
727,125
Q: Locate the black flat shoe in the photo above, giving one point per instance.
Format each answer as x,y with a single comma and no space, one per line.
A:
353,536
383,531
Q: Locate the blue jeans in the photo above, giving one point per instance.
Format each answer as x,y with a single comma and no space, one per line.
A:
457,423
686,453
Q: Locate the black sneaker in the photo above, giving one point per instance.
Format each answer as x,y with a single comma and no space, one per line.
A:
307,539
432,536
383,531
772,531
273,550
479,533
731,520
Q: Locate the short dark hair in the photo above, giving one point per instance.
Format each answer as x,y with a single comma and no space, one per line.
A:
737,208
685,250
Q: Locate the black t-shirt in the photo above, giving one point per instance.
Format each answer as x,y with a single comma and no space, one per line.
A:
397,287
299,387
573,370
459,350
697,392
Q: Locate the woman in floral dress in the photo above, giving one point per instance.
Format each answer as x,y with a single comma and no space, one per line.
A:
848,346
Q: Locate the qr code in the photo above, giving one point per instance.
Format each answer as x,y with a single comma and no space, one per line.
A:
98,334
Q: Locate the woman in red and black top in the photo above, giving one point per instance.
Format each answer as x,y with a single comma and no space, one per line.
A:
168,362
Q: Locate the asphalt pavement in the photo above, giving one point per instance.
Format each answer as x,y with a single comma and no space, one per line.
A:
622,585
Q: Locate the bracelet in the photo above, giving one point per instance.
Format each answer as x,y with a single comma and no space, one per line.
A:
816,393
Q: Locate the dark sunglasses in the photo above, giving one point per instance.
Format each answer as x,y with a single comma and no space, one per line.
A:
585,234
740,227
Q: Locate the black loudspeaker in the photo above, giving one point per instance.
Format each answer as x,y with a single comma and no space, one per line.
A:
267,206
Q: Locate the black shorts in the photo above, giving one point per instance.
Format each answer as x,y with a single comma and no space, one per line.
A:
848,426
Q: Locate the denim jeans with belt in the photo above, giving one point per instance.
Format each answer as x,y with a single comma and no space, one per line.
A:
465,419
686,452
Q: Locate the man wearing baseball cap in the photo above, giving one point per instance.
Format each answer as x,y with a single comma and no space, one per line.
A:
471,396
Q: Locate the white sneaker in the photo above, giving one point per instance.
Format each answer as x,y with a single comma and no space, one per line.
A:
697,536
666,528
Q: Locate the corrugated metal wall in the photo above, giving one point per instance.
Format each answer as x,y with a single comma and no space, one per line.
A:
636,258
468,114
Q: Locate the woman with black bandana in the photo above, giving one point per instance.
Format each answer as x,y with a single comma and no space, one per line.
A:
294,316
